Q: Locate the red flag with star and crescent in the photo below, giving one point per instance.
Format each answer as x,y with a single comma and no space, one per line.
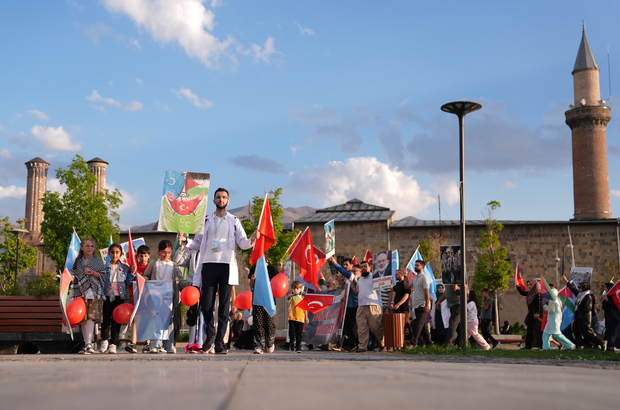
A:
614,293
369,258
315,303
519,278
267,233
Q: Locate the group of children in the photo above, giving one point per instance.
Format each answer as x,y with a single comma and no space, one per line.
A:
106,286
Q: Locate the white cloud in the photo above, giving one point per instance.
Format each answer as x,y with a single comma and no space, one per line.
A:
56,139
193,98
448,189
260,53
12,191
305,31
186,22
507,184
6,154
615,193
95,96
39,114
365,178
54,185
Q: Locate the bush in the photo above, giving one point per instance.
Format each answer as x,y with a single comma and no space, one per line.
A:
45,285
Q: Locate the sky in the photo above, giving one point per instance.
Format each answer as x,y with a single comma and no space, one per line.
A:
329,100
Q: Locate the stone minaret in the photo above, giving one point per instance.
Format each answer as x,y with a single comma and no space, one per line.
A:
99,168
36,186
588,119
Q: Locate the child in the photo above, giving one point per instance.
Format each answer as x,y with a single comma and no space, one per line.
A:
143,254
296,316
89,271
472,321
165,269
554,320
116,280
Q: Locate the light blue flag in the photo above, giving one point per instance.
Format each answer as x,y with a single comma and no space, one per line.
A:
174,183
74,250
567,318
395,265
262,288
428,271
154,313
107,256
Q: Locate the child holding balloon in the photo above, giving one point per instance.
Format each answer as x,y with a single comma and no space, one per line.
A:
117,279
88,272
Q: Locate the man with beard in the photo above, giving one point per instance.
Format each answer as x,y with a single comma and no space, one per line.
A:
421,300
369,314
218,271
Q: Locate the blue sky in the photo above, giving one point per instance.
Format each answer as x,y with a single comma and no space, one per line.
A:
330,100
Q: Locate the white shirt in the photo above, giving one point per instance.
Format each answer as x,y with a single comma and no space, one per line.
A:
164,270
218,235
366,295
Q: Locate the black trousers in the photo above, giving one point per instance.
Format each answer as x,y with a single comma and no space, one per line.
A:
108,322
418,325
350,328
453,324
295,330
485,327
263,328
214,280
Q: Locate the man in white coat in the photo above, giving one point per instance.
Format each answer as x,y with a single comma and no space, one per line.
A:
219,271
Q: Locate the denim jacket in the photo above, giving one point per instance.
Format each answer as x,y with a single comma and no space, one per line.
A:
124,279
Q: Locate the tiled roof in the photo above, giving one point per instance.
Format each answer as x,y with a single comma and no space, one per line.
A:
353,210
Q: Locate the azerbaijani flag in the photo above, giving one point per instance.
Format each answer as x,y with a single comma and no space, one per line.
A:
545,290
519,278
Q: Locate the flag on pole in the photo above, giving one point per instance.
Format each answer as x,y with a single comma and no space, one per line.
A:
354,260
314,303
304,256
267,233
369,258
138,290
74,250
519,278
131,256
65,281
614,294
568,298
545,290
428,271
154,313
263,295
107,256
294,243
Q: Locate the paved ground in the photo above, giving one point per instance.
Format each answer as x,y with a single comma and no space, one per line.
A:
311,380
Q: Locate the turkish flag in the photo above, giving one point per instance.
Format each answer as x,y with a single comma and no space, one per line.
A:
309,258
267,233
354,260
315,303
131,256
614,294
369,258
519,278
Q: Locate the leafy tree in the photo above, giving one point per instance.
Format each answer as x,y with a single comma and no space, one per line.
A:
92,215
277,251
493,270
430,248
27,256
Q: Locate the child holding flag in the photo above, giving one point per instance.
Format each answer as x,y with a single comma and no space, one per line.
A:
142,262
554,320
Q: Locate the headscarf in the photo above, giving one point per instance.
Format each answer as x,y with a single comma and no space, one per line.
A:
534,291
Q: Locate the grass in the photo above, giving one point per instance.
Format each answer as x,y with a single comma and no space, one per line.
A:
555,354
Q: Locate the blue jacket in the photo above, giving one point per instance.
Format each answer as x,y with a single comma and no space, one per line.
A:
124,279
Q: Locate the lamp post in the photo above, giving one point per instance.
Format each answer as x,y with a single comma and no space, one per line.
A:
17,231
460,109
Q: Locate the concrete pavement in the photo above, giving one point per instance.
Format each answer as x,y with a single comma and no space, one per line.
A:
286,380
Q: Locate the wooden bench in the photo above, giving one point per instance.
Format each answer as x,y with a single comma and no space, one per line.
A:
31,324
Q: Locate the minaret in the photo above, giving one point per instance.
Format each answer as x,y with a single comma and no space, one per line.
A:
588,119
99,168
36,186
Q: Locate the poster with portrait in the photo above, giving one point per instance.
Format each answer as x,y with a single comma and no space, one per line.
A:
451,267
330,239
382,271
184,202
578,275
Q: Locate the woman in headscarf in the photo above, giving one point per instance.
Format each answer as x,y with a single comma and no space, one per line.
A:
582,324
533,337
612,319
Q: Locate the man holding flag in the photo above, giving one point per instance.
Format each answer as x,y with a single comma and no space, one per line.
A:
219,272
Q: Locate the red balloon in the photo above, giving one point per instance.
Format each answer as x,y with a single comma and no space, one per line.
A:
76,311
190,296
279,285
243,300
122,313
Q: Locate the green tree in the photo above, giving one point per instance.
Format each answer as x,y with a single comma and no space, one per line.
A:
8,248
277,251
493,270
92,215
430,248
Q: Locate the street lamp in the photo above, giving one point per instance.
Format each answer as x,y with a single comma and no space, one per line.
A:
460,109
17,231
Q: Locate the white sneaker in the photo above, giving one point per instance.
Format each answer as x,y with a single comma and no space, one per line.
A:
103,346
112,349
271,348
258,351
154,350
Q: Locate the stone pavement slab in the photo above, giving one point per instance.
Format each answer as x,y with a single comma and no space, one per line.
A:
286,380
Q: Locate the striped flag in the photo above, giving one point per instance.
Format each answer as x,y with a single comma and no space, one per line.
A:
545,290
568,298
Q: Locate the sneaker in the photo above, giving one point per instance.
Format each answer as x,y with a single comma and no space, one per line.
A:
210,350
103,346
573,347
89,349
604,345
131,348
153,350
146,348
86,349
161,349
299,351
258,350
172,350
271,348
220,348
112,349
497,343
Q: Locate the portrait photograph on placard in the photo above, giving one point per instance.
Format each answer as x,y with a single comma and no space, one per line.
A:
451,267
